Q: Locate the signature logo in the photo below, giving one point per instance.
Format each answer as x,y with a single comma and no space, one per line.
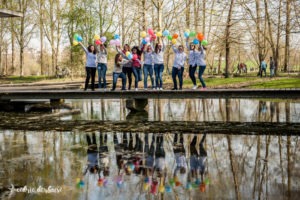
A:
39,189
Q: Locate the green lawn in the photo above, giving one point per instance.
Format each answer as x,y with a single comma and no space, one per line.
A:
24,79
281,83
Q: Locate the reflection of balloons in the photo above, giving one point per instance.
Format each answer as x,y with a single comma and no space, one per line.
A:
168,189
150,31
195,41
159,34
170,37
202,187
175,36
134,57
116,36
98,42
75,43
96,37
103,39
161,189
174,41
143,34
79,38
166,33
204,42
186,34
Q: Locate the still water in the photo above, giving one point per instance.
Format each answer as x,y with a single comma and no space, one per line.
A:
51,164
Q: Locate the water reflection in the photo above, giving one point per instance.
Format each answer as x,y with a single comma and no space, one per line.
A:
141,166
242,110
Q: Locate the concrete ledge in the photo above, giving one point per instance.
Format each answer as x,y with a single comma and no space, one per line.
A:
150,94
4,13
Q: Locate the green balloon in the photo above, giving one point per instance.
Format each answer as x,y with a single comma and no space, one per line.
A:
192,34
170,37
204,43
75,36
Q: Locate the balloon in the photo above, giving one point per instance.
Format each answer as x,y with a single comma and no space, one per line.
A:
103,39
96,37
161,189
143,34
130,56
204,42
77,180
116,36
174,41
127,53
112,42
187,30
153,37
159,34
206,181
117,42
150,31
166,33
195,41
202,187
98,42
200,36
188,186
168,189
170,37
146,186
144,41
175,36
147,39
75,43
134,57
75,36
186,34
79,38
177,183
192,34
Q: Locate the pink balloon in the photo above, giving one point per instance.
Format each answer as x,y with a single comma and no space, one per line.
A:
134,57
150,31
112,42
98,42
153,37
103,39
147,39
117,42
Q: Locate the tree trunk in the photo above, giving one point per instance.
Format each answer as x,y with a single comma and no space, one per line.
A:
187,13
41,2
258,32
196,14
227,40
204,16
144,17
12,46
287,36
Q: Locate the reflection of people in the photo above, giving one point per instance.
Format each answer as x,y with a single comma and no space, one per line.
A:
92,154
198,160
180,158
263,107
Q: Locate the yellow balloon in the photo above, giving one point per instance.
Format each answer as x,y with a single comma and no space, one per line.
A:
75,43
96,37
143,34
127,53
187,30
159,34
174,41
146,186
161,189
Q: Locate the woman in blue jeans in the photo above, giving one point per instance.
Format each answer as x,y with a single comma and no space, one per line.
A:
117,73
158,59
202,65
178,66
148,66
101,65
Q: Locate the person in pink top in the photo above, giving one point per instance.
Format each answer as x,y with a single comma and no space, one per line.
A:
136,65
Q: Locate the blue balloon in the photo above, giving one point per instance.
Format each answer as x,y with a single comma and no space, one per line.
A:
168,189
116,36
186,34
166,33
130,56
195,41
79,38
144,41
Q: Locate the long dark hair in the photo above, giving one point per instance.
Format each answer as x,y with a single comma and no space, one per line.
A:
156,48
90,49
117,59
138,51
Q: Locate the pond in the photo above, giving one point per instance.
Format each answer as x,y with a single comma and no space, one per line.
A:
176,149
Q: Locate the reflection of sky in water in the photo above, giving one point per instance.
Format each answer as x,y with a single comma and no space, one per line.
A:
242,110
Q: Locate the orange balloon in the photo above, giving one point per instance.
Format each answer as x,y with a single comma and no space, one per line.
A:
202,187
200,36
175,36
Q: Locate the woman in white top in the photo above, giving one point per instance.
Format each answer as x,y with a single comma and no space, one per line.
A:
148,65
202,65
158,59
192,62
101,65
178,66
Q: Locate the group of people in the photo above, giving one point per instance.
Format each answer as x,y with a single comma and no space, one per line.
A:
263,68
152,65
146,157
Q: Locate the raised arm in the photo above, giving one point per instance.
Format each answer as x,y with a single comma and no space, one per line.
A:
163,45
83,47
187,44
174,49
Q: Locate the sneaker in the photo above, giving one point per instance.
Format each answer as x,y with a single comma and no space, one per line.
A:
174,89
145,88
112,90
195,87
154,88
161,89
104,90
136,89
204,88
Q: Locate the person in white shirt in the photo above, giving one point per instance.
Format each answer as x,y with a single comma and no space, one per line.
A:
202,65
148,65
178,66
158,59
192,62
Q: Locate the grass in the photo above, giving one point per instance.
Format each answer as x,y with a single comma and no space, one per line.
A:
279,84
24,79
